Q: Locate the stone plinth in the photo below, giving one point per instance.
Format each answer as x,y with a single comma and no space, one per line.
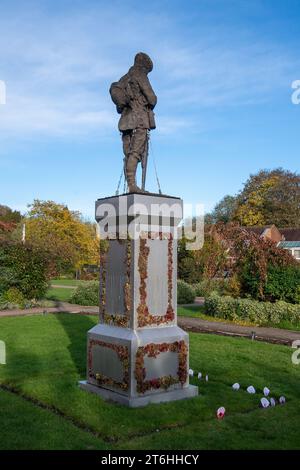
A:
137,354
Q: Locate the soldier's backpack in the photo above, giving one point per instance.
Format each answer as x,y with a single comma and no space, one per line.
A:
119,94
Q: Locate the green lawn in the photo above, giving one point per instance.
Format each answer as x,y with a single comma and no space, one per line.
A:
46,357
24,426
59,293
287,326
67,282
198,311
191,311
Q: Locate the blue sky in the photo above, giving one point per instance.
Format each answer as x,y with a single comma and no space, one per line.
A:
223,71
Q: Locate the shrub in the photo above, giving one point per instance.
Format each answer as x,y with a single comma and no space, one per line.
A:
253,258
185,293
229,286
24,268
250,280
220,307
207,286
283,283
87,294
260,313
232,286
15,297
208,262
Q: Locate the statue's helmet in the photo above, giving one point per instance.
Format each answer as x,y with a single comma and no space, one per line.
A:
143,60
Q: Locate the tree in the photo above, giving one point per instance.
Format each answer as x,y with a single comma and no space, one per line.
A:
207,263
211,259
6,227
187,270
9,222
69,241
223,211
270,197
255,258
8,215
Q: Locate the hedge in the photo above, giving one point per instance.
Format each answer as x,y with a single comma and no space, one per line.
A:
207,286
260,313
185,293
87,294
283,283
23,271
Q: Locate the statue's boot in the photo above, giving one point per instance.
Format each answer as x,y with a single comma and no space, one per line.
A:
131,167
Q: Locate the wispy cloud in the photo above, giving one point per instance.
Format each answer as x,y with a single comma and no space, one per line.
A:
58,69
211,75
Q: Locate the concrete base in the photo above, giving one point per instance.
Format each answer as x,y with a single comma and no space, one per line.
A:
135,402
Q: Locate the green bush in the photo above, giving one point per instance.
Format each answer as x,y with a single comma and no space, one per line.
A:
185,293
260,313
207,286
229,286
283,283
14,297
87,294
24,268
232,286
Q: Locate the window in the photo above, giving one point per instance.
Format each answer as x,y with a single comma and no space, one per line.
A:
297,254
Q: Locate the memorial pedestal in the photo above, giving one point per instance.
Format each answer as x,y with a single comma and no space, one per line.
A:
137,354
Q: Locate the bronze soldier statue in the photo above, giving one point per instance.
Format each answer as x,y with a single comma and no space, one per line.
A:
135,101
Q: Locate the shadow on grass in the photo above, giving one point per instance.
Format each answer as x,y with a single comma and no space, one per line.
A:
74,331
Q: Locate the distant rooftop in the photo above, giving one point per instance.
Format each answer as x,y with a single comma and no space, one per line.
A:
291,234
257,229
286,244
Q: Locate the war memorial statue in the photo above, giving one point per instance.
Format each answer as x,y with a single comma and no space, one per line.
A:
135,101
137,354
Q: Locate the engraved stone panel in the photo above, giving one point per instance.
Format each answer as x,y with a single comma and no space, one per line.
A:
115,277
105,361
157,281
166,363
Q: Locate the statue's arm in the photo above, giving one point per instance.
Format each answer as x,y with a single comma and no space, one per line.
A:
147,90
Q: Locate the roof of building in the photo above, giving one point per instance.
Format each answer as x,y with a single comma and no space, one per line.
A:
256,229
286,244
290,234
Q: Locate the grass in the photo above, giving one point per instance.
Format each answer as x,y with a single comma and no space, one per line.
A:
24,426
67,282
46,357
198,311
59,294
286,325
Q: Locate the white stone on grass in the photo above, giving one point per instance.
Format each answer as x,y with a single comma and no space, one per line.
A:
236,386
282,400
266,392
265,402
251,389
